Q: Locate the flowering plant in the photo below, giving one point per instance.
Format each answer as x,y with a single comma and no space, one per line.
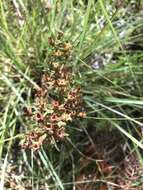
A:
56,103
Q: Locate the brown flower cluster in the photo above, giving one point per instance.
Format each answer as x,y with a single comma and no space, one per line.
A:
61,50
57,103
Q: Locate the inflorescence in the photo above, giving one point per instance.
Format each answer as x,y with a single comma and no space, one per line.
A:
56,104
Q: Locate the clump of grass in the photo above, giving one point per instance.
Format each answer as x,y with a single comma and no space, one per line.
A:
41,71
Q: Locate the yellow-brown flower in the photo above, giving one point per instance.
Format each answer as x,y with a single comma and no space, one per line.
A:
54,117
55,104
66,117
39,117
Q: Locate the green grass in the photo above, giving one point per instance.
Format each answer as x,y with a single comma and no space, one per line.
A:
113,95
